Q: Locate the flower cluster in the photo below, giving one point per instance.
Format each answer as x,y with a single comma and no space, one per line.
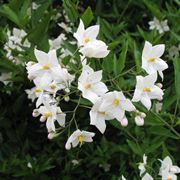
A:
50,76
16,41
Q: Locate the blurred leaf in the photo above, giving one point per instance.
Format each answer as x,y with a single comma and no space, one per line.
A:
71,10
87,16
135,148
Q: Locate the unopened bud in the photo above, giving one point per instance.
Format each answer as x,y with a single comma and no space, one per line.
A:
52,135
139,121
124,122
143,115
35,113
42,118
66,98
67,90
159,85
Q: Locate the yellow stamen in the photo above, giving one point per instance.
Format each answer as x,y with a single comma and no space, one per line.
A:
37,90
52,86
151,59
169,178
46,67
116,102
147,89
81,138
86,40
101,113
48,114
87,86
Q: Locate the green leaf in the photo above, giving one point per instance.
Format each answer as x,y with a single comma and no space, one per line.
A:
154,8
10,14
71,10
135,147
176,64
36,34
108,63
122,58
159,130
87,16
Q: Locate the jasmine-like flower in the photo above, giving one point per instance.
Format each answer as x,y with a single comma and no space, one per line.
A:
79,137
123,178
46,62
168,171
89,45
151,59
5,78
174,51
160,26
90,84
56,43
98,116
50,114
147,90
142,165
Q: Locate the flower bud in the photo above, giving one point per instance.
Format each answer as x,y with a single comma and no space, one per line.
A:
66,98
35,113
143,115
124,122
139,121
159,85
52,135
42,118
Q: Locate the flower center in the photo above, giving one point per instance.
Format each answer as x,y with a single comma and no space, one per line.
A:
81,138
101,113
48,114
116,102
151,59
87,86
37,90
86,40
52,86
46,67
169,178
147,89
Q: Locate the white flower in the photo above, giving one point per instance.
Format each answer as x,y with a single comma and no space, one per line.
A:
90,46
5,78
147,176
161,26
139,119
115,103
46,62
75,162
167,169
35,6
50,114
29,165
95,49
98,116
31,93
90,84
79,137
151,61
85,36
147,90
123,178
55,43
111,105
142,165
65,27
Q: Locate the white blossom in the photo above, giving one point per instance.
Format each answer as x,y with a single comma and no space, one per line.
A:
90,84
142,165
147,90
151,61
147,176
79,137
160,26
